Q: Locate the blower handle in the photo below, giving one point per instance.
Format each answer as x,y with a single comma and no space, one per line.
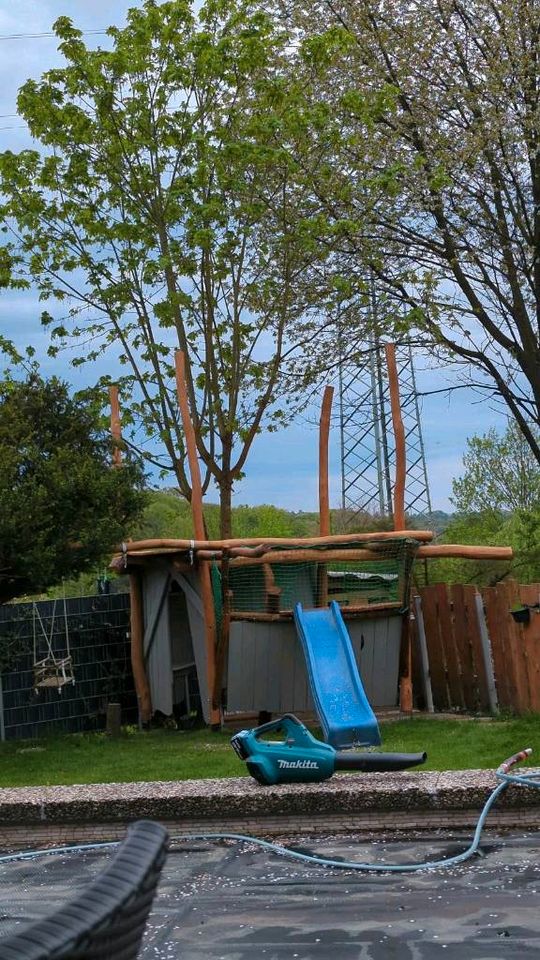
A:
378,762
278,724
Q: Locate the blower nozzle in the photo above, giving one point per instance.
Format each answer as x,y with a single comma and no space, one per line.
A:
377,762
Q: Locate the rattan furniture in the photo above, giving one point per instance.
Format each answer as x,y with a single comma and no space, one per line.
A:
106,920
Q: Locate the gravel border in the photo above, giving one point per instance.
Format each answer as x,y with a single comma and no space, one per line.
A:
242,798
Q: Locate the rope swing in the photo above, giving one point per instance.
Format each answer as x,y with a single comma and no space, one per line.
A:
51,671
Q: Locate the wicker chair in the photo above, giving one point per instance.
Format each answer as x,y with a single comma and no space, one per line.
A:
107,920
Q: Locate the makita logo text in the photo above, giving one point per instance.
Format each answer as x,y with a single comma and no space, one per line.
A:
298,765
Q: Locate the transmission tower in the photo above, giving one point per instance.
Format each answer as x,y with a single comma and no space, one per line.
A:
367,439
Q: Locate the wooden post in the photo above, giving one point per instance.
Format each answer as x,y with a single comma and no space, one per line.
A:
423,650
399,436
137,649
116,425
271,590
222,645
114,720
405,666
486,653
405,683
324,497
213,711
324,433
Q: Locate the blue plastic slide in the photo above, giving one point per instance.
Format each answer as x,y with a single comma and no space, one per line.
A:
340,700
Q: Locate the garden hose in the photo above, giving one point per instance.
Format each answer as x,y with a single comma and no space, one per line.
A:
503,775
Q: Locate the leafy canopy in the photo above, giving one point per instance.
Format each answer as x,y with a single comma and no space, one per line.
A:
63,506
438,190
162,212
498,502
500,474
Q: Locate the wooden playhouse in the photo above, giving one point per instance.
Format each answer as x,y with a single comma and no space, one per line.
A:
212,621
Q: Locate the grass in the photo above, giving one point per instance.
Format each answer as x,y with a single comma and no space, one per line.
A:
177,755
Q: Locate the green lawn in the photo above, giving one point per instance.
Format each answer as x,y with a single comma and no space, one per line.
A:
175,755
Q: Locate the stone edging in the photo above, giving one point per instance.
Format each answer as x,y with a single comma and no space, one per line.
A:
241,799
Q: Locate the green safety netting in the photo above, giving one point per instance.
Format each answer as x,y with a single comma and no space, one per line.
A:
352,583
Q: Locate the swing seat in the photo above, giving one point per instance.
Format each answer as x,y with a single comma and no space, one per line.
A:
50,672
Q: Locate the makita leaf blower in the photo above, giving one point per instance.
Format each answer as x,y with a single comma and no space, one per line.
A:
301,758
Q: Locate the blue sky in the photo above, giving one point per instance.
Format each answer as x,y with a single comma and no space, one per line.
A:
282,468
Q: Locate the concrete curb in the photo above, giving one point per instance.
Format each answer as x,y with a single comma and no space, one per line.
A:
242,799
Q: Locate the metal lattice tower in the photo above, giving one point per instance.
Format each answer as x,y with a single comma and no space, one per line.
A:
367,440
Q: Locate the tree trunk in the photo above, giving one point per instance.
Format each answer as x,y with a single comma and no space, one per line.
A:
225,508
225,489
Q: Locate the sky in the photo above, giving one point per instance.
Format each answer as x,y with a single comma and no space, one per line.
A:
282,468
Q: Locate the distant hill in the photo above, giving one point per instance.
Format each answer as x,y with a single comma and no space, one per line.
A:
437,521
169,515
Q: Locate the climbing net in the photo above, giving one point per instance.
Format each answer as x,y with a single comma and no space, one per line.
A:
358,575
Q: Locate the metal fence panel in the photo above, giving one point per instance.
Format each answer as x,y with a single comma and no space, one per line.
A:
98,632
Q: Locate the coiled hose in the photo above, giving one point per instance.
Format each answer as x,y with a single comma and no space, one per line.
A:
503,775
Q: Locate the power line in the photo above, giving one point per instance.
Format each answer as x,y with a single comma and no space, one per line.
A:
35,36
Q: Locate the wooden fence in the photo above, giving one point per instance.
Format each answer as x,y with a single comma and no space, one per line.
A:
457,660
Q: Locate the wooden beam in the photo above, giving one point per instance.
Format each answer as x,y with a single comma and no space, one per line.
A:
349,612
324,433
399,437
134,546
191,447
137,649
271,590
425,551
324,496
465,551
433,551
405,666
222,644
309,556
200,533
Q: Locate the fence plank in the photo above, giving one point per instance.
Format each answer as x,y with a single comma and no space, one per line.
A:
454,642
475,639
462,639
437,663
496,620
530,634
453,667
516,646
421,671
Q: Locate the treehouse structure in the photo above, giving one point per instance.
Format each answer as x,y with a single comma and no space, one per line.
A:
213,621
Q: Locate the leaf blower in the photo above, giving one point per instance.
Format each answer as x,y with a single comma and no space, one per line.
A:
301,758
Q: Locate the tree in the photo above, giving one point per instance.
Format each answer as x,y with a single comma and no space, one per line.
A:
163,213
64,508
264,520
166,514
498,502
434,109
501,475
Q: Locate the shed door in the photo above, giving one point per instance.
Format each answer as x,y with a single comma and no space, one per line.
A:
186,697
